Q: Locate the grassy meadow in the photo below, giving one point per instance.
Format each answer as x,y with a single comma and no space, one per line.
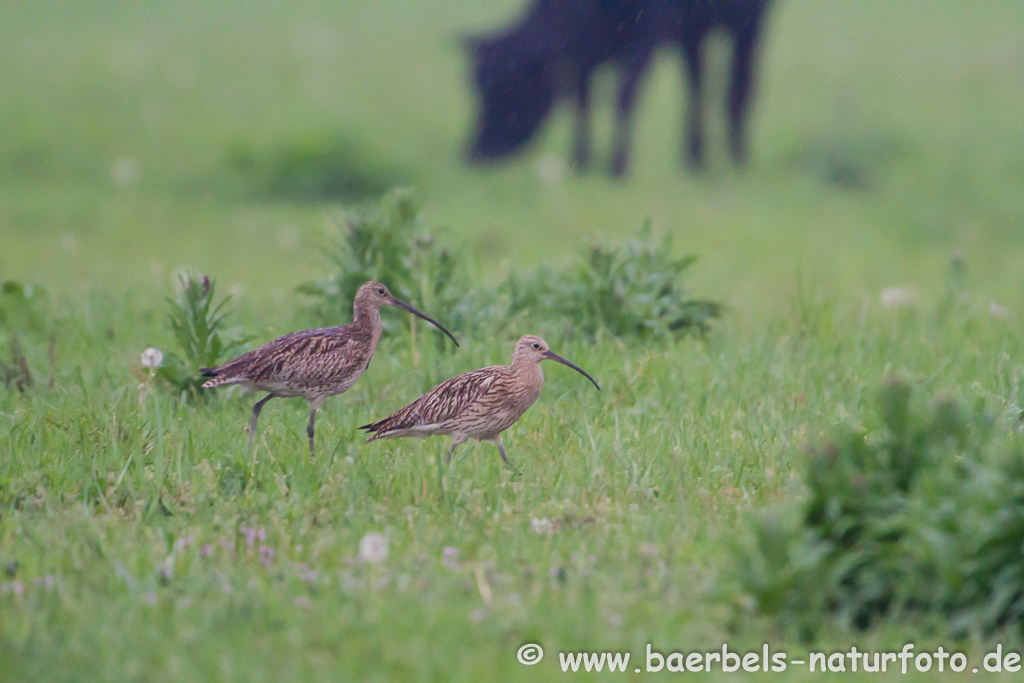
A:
141,540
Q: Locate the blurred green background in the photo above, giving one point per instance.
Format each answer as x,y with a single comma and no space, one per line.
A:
885,135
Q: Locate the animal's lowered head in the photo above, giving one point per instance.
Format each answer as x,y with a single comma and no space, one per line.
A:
516,92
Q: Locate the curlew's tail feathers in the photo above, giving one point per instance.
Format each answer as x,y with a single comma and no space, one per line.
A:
393,427
216,377
401,419
388,427
374,430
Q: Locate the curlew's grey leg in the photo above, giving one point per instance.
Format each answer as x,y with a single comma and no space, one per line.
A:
309,429
255,416
451,451
501,449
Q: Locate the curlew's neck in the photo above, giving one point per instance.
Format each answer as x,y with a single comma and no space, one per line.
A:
367,316
528,371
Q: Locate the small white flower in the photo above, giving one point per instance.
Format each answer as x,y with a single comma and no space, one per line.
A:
541,526
649,550
998,310
373,548
126,171
550,168
152,358
897,297
288,237
450,558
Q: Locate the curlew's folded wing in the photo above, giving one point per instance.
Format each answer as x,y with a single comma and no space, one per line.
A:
447,401
300,357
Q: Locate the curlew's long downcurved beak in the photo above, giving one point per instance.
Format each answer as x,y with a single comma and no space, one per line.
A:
555,357
406,307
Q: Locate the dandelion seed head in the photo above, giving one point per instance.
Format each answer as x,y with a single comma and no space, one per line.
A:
541,526
373,548
898,297
152,358
126,171
550,168
998,310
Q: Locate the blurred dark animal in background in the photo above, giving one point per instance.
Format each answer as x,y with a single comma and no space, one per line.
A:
521,71
744,20
552,52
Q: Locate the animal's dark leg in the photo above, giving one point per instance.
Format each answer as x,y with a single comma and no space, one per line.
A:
739,92
255,416
693,153
582,136
632,75
309,429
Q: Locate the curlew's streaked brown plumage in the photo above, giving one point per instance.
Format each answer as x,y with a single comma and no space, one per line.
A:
314,364
480,404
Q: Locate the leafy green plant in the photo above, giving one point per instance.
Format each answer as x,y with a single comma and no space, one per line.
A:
23,307
198,326
637,289
921,518
387,243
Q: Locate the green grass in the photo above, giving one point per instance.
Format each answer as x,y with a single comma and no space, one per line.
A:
647,484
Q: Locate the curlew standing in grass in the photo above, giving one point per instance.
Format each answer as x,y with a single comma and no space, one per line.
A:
314,364
480,404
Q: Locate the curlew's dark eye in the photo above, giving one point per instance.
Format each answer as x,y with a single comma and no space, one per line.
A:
536,346
381,291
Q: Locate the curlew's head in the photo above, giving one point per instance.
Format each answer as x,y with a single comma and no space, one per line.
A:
372,295
532,349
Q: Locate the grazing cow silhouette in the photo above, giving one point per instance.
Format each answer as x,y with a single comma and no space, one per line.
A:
553,50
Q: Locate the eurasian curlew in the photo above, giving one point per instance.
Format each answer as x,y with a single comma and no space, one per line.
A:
480,404
314,364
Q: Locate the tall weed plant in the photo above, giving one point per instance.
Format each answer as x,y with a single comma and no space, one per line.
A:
199,327
387,243
633,290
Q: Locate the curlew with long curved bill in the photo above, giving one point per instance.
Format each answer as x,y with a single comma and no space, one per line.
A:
314,364
480,404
